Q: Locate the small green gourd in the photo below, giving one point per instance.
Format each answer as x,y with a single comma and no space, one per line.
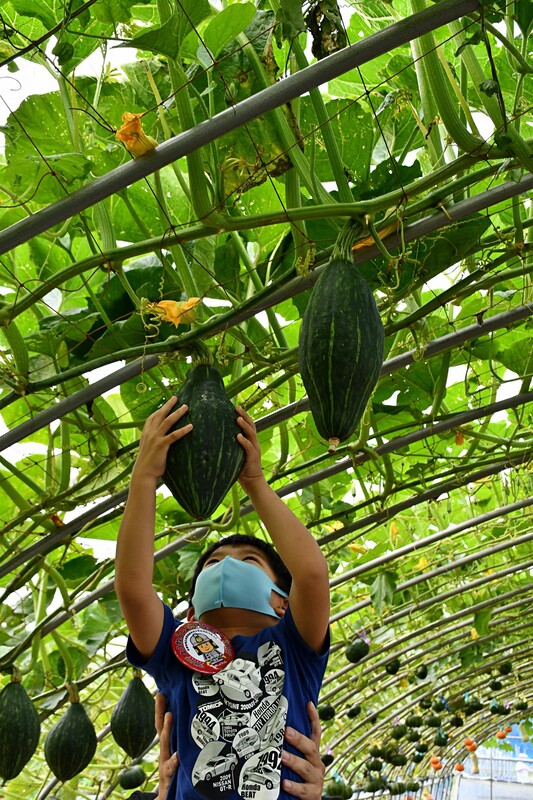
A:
132,777
132,720
71,743
19,729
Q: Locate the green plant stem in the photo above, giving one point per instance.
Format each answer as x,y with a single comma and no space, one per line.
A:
21,475
19,351
429,109
16,498
517,146
233,519
340,210
439,388
287,137
166,130
201,202
40,604
521,64
440,92
324,123
59,582
256,281
105,225
183,270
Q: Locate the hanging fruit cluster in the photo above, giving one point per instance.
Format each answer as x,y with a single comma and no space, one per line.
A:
70,744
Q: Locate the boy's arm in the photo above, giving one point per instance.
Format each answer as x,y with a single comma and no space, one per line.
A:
309,596
134,561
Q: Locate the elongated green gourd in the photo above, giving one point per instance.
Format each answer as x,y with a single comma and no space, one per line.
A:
341,347
204,464
71,743
19,730
132,720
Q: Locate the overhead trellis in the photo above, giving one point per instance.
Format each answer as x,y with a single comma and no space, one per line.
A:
273,126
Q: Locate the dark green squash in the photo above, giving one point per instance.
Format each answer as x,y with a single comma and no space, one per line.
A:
341,346
71,743
132,777
19,729
393,666
325,712
357,650
441,738
202,467
132,720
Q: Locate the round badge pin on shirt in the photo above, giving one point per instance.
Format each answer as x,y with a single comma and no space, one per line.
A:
201,647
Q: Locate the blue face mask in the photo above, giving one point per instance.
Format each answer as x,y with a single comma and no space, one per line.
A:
234,584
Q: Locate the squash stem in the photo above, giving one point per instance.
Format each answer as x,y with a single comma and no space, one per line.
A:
350,233
234,516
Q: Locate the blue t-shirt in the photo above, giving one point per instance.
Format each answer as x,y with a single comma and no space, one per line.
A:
229,727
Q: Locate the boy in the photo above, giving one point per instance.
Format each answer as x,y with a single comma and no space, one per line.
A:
254,648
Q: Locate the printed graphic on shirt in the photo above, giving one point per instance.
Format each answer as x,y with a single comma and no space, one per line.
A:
239,726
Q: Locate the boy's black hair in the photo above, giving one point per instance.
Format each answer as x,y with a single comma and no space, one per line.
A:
282,574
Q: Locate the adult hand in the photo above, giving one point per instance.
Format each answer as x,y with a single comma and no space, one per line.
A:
168,762
310,768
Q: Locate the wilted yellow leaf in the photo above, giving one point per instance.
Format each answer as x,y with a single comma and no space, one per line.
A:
357,548
179,312
459,437
136,141
474,634
368,241
393,531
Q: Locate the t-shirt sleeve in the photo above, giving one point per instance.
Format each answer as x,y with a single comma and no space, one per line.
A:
162,658
309,664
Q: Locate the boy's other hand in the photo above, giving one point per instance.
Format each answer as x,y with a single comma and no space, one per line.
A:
310,768
168,762
156,439
248,440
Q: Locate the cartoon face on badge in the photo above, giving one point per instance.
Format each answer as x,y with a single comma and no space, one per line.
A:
202,647
203,644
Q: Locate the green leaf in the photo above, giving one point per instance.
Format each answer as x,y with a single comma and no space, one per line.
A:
523,16
482,620
167,39
77,569
382,590
44,10
95,630
489,87
226,25
113,11
291,17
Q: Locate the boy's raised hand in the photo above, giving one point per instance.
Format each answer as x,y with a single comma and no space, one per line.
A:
156,439
248,440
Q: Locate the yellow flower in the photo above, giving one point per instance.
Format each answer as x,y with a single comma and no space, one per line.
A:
178,312
422,564
137,142
474,634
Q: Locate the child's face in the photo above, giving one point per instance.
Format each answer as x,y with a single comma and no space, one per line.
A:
251,555
242,552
